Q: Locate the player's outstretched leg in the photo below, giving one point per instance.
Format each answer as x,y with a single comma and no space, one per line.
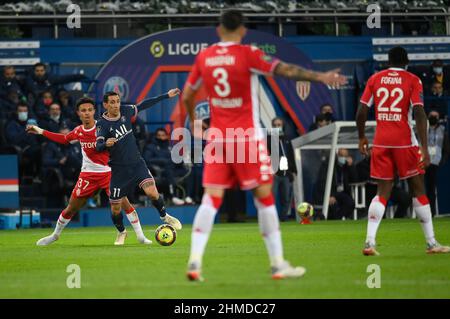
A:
269,226
158,203
201,229
64,218
422,208
133,218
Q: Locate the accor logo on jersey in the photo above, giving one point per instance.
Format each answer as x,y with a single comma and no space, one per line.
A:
122,132
157,49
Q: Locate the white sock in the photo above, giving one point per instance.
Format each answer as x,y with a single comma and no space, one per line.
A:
133,218
60,224
423,212
269,226
201,229
376,212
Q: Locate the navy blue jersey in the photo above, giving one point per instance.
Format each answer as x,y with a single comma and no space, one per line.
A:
125,151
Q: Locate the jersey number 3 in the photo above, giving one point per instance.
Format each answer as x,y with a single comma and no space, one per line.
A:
384,93
222,87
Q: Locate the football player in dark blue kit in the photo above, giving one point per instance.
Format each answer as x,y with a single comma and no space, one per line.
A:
128,168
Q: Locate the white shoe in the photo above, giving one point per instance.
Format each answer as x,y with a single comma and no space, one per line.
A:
177,201
144,240
172,221
120,239
188,200
285,270
437,248
47,240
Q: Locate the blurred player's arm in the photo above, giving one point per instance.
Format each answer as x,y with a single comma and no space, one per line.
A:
147,103
361,119
297,73
55,137
421,125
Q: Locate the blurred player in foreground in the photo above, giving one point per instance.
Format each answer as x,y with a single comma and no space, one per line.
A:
396,94
229,72
128,168
95,175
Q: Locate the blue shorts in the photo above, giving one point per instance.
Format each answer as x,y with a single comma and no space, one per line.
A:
125,178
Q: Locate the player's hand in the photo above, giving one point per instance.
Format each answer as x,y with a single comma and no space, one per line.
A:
349,161
424,158
333,78
332,200
33,129
111,141
364,146
174,92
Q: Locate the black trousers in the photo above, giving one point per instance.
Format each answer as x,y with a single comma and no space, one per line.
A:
343,208
430,186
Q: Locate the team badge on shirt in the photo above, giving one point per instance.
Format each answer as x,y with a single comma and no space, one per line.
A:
303,89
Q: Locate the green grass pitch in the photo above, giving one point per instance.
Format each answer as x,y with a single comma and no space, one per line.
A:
235,264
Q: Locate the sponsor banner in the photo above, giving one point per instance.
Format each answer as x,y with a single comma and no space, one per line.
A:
419,48
19,52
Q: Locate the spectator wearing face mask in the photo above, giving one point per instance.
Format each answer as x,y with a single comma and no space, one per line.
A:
42,105
439,148
27,145
284,176
39,80
325,117
55,121
438,74
341,203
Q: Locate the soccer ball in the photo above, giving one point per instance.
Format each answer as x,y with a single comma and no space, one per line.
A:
305,210
165,235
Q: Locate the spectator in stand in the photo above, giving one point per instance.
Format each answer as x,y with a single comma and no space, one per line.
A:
158,157
438,74
55,121
401,198
140,133
39,81
438,100
321,120
325,116
9,82
439,148
27,146
8,104
67,106
284,176
42,105
341,203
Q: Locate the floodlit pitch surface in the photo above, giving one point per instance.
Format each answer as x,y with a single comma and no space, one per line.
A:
235,265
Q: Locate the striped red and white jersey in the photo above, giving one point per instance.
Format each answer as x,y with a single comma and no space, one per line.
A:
394,92
229,73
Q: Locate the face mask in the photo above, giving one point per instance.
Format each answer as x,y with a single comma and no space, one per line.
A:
278,130
342,160
47,101
433,120
22,116
438,70
328,116
55,117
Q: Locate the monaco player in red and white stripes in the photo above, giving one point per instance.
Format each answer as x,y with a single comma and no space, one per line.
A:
229,72
95,175
396,94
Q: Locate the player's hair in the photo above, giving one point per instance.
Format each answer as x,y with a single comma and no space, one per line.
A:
231,19
398,57
108,94
84,100
38,64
